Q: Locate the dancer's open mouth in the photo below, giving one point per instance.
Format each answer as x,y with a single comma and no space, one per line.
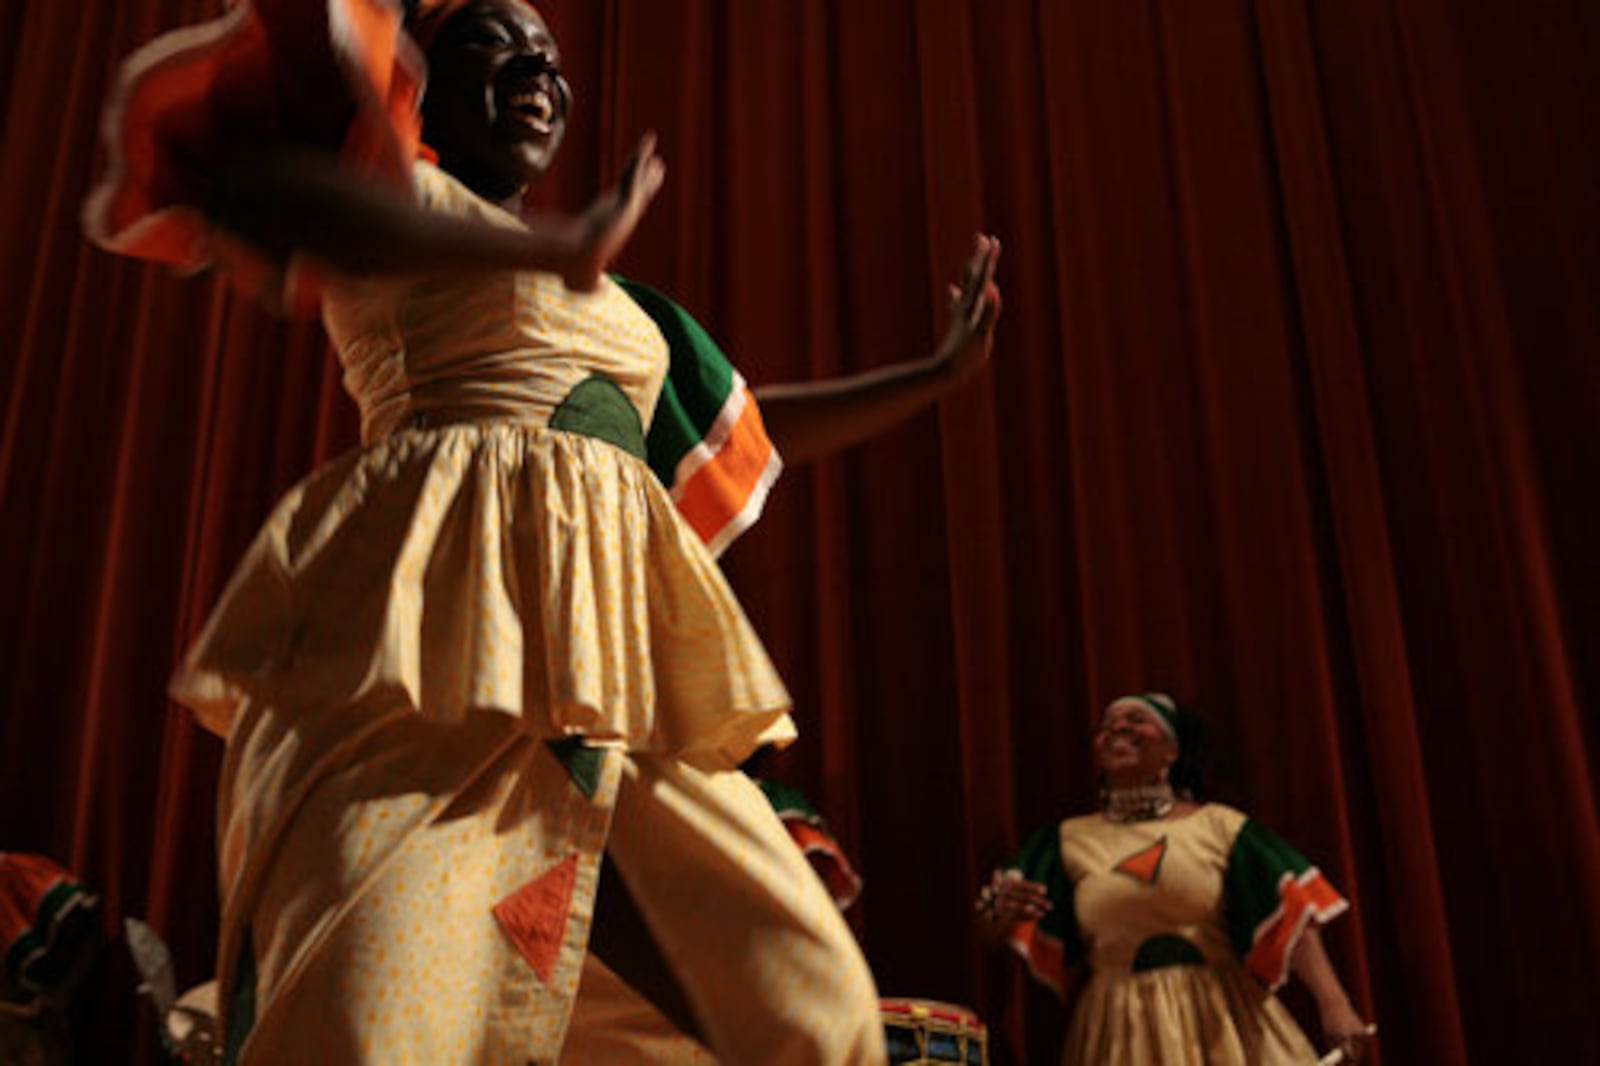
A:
534,108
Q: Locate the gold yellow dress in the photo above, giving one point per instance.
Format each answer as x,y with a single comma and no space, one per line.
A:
1183,927
460,663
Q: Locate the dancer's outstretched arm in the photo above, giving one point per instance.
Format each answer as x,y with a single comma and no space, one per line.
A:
810,420
285,203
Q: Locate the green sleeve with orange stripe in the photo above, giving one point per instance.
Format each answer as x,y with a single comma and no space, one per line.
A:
706,441
48,921
1271,893
811,834
1052,945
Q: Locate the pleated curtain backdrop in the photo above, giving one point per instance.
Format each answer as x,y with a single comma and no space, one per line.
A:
1291,414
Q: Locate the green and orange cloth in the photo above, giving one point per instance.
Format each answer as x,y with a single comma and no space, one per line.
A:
706,443
45,914
811,833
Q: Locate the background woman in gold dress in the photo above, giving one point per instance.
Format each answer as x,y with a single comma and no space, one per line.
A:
1185,915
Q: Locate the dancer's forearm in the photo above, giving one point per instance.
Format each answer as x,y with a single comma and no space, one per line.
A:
286,204
811,420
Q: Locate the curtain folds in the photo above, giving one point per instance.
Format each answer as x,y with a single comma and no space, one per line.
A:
1291,414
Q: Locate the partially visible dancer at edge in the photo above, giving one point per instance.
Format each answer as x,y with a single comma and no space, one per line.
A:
464,662
51,948
1186,915
809,831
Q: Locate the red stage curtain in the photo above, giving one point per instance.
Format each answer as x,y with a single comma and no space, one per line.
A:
1291,414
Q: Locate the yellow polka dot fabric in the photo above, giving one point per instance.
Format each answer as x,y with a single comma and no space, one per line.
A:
484,345
364,872
367,888
752,936
479,558
413,626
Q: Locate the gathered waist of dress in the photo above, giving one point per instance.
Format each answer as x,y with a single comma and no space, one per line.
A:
437,417
595,407
420,405
1184,946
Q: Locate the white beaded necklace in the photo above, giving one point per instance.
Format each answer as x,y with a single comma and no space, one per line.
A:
1139,803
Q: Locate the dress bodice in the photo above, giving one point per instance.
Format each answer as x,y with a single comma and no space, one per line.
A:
1137,881
481,345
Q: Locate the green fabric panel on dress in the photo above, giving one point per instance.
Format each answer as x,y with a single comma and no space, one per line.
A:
583,763
1256,868
1165,950
597,407
788,802
1039,860
699,381
242,1010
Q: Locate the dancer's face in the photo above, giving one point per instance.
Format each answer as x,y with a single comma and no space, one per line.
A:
1132,746
496,104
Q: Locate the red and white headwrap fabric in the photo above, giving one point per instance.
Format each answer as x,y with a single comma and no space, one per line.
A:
334,75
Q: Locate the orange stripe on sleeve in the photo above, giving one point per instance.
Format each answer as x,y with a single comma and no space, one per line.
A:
1045,956
1313,898
719,490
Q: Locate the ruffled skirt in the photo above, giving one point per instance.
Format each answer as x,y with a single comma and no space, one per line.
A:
1183,1016
492,566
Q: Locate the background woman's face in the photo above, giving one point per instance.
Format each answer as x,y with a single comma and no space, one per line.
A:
496,104
1132,745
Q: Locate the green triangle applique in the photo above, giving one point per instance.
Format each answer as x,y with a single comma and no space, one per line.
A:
583,763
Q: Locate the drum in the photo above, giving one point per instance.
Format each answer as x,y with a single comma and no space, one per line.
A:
926,1031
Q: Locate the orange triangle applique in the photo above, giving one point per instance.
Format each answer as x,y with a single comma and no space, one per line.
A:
1144,865
534,917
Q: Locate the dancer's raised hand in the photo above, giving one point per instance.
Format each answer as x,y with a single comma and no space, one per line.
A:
974,311
608,223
